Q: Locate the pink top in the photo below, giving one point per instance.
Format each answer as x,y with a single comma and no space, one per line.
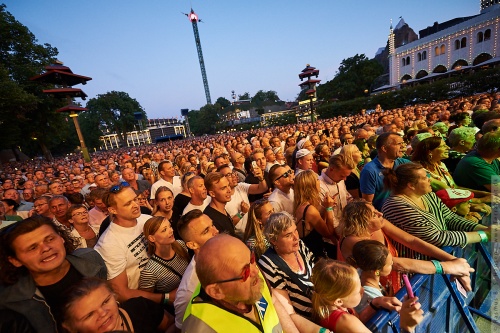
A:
331,321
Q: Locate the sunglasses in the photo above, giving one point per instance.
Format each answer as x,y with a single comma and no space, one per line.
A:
115,189
245,274
285,175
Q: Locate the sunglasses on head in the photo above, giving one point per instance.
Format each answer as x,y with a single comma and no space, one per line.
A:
245,273
117,188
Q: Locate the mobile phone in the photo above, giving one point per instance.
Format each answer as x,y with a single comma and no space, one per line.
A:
461,289
254,164
409,289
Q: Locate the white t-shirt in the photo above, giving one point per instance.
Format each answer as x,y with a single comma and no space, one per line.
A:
282,201
185,291
124,249
234,206
201,207
176,186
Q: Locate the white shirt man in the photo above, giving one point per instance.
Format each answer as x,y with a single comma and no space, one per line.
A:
199,198
168,178
282,197
305,160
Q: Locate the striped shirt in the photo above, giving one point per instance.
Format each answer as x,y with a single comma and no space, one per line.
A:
438,225
156,274
280,280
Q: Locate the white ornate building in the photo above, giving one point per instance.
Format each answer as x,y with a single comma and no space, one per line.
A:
471,42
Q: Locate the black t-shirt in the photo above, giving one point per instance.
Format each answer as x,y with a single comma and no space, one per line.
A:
52,293
145,314
180,202
223,222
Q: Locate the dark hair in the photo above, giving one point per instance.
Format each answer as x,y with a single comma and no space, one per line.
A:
396,180
72,208
77,291
9,274
183,223
383,139
369,255
11,202
75,198
422,150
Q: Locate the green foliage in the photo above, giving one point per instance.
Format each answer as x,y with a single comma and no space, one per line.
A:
245,96
204,121
223,102
25,112
354,76
264,98
115,112
285,119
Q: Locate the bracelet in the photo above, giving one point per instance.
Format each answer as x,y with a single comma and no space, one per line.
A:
239,215
166,298
322,330
439,268
483,236
329,209
374,307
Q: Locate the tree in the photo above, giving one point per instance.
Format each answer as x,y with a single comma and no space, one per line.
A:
115,110
26,113
204,121
223,102
245,96
354,76
263,98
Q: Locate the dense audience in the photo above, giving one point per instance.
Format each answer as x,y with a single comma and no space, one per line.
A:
299,209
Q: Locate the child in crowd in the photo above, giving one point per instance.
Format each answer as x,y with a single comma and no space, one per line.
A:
459,201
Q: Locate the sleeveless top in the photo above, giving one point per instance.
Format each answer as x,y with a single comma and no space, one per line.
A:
313,240
331,321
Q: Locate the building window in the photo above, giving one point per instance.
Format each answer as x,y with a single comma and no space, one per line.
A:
487,34
463,42
419,56
457,44
480,37
407,60
404,61
436,51
443,49
424,55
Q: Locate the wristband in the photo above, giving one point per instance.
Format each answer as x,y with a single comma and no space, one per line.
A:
166,298
239,215
322,330
483,236
439,268
374,307
329,209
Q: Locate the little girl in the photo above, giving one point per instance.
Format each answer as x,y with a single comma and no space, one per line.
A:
337,290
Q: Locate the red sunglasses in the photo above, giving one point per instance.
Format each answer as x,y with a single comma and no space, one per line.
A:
245,274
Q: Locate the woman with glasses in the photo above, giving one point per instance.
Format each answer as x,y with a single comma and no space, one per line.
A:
417,210
167,262
287,264
86,234
258,215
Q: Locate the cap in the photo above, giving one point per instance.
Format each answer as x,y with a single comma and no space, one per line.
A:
302,152
453,196
277,150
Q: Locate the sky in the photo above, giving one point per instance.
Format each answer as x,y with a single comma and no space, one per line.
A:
147,48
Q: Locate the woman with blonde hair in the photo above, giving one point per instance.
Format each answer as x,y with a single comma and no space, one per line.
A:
354,157
163,202
307,206
168,259
337,290
258,214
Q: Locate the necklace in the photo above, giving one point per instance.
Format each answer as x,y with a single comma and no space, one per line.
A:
298,262
407,198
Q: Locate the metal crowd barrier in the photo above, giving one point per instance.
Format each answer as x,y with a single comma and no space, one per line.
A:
445,309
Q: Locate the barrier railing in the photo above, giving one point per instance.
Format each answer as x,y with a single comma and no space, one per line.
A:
445,309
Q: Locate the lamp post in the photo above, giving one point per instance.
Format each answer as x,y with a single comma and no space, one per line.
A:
310,86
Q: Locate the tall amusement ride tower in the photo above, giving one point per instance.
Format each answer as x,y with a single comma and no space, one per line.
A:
193,18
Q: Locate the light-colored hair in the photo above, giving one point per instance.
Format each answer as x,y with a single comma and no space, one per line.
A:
158,191
305,190
347,152
332,280
254,228
355,217
276,224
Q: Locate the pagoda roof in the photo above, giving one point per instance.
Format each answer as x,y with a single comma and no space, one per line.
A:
310,92
71,109
61,77
309,71
65,92
309,81
58,67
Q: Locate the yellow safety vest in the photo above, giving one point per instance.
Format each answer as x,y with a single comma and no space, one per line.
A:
203,316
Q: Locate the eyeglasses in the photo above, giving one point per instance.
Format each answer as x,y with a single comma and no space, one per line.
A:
79,214
245,274
285,175
117,188
40,205
229,175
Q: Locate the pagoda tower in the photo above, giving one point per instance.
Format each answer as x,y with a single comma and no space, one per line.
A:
64,79
310,86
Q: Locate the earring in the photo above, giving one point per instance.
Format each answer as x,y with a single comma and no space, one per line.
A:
430,155
377,273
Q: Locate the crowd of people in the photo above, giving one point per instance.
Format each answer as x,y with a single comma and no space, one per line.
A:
296,228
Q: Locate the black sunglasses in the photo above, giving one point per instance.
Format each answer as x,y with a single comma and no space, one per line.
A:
285,175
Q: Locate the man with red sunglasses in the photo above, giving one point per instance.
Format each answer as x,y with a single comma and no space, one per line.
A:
233,295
